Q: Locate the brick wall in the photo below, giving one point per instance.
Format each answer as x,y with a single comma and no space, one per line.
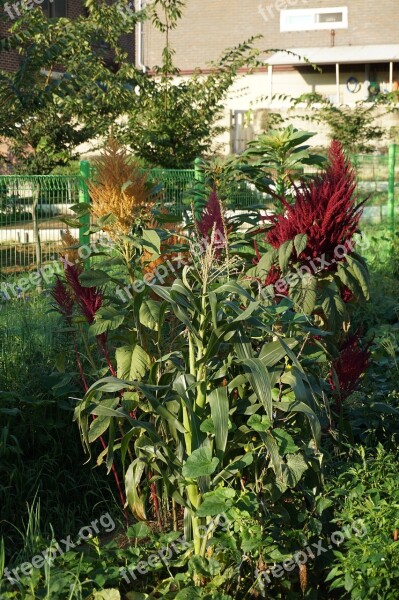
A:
209,26
9,60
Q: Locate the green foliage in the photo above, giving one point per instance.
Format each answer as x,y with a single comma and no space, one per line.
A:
366,493
213,400
176,121
354,126
47,114
276,157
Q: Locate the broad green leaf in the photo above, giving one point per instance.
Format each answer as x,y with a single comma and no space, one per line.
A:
349,581
349,280
262,269
139,530
285,442
259,379
275,459
111,442
213,304
132,362
107,384
294,469
200,463
308,293
216,502
294,379
284,254
219,403
360,273
182,295
272,352
107,594
94,277
162,292
108,219
158,407
183,316
97,427
333,307
237,466
234,288
151,241
104,411
132,481
183,385
300,242
296,406
259,423
150,314
107,318
207,426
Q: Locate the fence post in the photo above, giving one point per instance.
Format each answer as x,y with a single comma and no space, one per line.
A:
391,186
84,198
199,186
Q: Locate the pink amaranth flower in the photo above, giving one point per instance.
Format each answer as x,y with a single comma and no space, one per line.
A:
89,299
211,226
325,210
63,299
349,366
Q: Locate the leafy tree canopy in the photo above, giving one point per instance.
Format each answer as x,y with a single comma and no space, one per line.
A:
75,80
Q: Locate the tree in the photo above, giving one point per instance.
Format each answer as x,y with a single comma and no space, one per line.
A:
176,121
356,126
43,117
46,118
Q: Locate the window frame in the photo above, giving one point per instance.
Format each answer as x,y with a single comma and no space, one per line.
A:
49,8
316,25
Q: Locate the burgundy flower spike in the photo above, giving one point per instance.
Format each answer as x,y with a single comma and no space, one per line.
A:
325,209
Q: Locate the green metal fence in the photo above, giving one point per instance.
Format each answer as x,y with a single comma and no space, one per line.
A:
31,209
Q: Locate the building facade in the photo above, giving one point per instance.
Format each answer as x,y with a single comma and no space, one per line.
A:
353,43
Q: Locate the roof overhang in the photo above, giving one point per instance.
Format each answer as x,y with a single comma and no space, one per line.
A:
326,55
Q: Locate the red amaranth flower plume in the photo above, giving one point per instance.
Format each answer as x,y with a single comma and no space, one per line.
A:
346,294
89,299
212,221
325,209
349,366
63,299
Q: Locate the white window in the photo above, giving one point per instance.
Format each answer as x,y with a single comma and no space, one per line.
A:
310,19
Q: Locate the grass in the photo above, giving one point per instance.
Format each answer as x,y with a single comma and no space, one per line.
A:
43,476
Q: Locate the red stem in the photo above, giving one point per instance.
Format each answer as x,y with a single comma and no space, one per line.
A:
102,339
154,498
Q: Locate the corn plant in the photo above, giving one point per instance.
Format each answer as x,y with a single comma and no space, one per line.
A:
229,399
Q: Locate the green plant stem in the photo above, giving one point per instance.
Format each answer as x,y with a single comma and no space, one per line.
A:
87,348
194,496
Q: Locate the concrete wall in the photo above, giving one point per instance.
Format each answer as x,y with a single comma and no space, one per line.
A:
248,94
